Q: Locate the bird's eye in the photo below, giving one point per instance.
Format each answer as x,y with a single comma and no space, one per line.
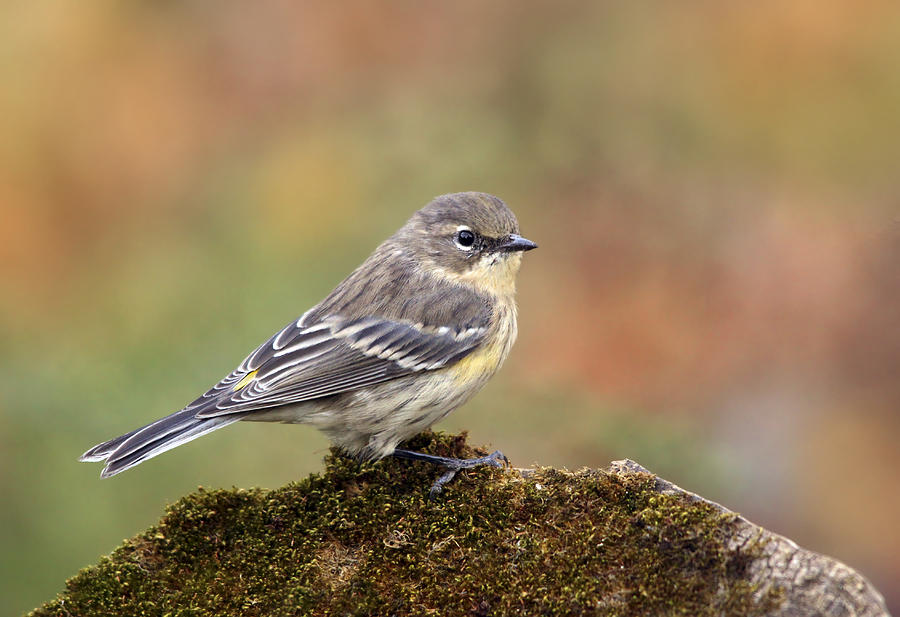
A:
465,238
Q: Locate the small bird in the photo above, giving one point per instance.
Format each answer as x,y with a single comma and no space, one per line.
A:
408,337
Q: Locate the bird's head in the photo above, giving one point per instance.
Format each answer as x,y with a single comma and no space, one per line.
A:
469,238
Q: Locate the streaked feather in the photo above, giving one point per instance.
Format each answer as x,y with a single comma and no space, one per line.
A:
356,353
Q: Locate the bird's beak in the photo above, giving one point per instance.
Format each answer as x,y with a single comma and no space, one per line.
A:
515,242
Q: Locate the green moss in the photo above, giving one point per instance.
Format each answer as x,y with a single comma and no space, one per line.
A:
365,540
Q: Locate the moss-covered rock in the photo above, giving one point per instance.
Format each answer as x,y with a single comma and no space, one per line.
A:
366,540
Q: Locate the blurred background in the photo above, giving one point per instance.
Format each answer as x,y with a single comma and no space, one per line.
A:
714,188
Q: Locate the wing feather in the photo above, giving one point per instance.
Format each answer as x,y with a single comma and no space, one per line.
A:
334,356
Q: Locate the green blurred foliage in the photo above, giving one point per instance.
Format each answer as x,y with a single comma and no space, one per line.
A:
713,186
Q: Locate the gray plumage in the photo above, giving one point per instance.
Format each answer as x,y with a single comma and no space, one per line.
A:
373,363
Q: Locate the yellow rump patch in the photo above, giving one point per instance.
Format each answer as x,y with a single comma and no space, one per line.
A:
243,382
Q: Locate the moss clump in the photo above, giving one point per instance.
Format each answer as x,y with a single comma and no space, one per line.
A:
365,540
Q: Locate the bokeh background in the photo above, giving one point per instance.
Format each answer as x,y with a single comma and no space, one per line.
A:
714,187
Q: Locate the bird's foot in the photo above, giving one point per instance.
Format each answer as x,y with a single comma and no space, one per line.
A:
452,465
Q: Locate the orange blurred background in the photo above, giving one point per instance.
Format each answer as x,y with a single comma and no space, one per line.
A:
713,186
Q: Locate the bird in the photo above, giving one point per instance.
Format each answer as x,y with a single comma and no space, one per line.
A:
410,335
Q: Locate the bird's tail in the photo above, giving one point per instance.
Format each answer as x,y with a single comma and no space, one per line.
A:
130,449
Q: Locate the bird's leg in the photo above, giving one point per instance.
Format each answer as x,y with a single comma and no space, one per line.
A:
452,465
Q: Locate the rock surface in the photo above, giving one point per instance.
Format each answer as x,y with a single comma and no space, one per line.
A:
366,540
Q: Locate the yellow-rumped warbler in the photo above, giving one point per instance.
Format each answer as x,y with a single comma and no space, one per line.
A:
408,337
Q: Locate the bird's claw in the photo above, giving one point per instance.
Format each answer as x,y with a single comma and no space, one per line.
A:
494,459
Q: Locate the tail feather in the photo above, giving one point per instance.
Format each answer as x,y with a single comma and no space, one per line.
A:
133,448
101,451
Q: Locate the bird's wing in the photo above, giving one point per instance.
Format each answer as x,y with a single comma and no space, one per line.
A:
333,356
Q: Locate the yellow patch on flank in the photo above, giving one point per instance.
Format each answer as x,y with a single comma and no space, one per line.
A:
482,363
479,365
243,382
